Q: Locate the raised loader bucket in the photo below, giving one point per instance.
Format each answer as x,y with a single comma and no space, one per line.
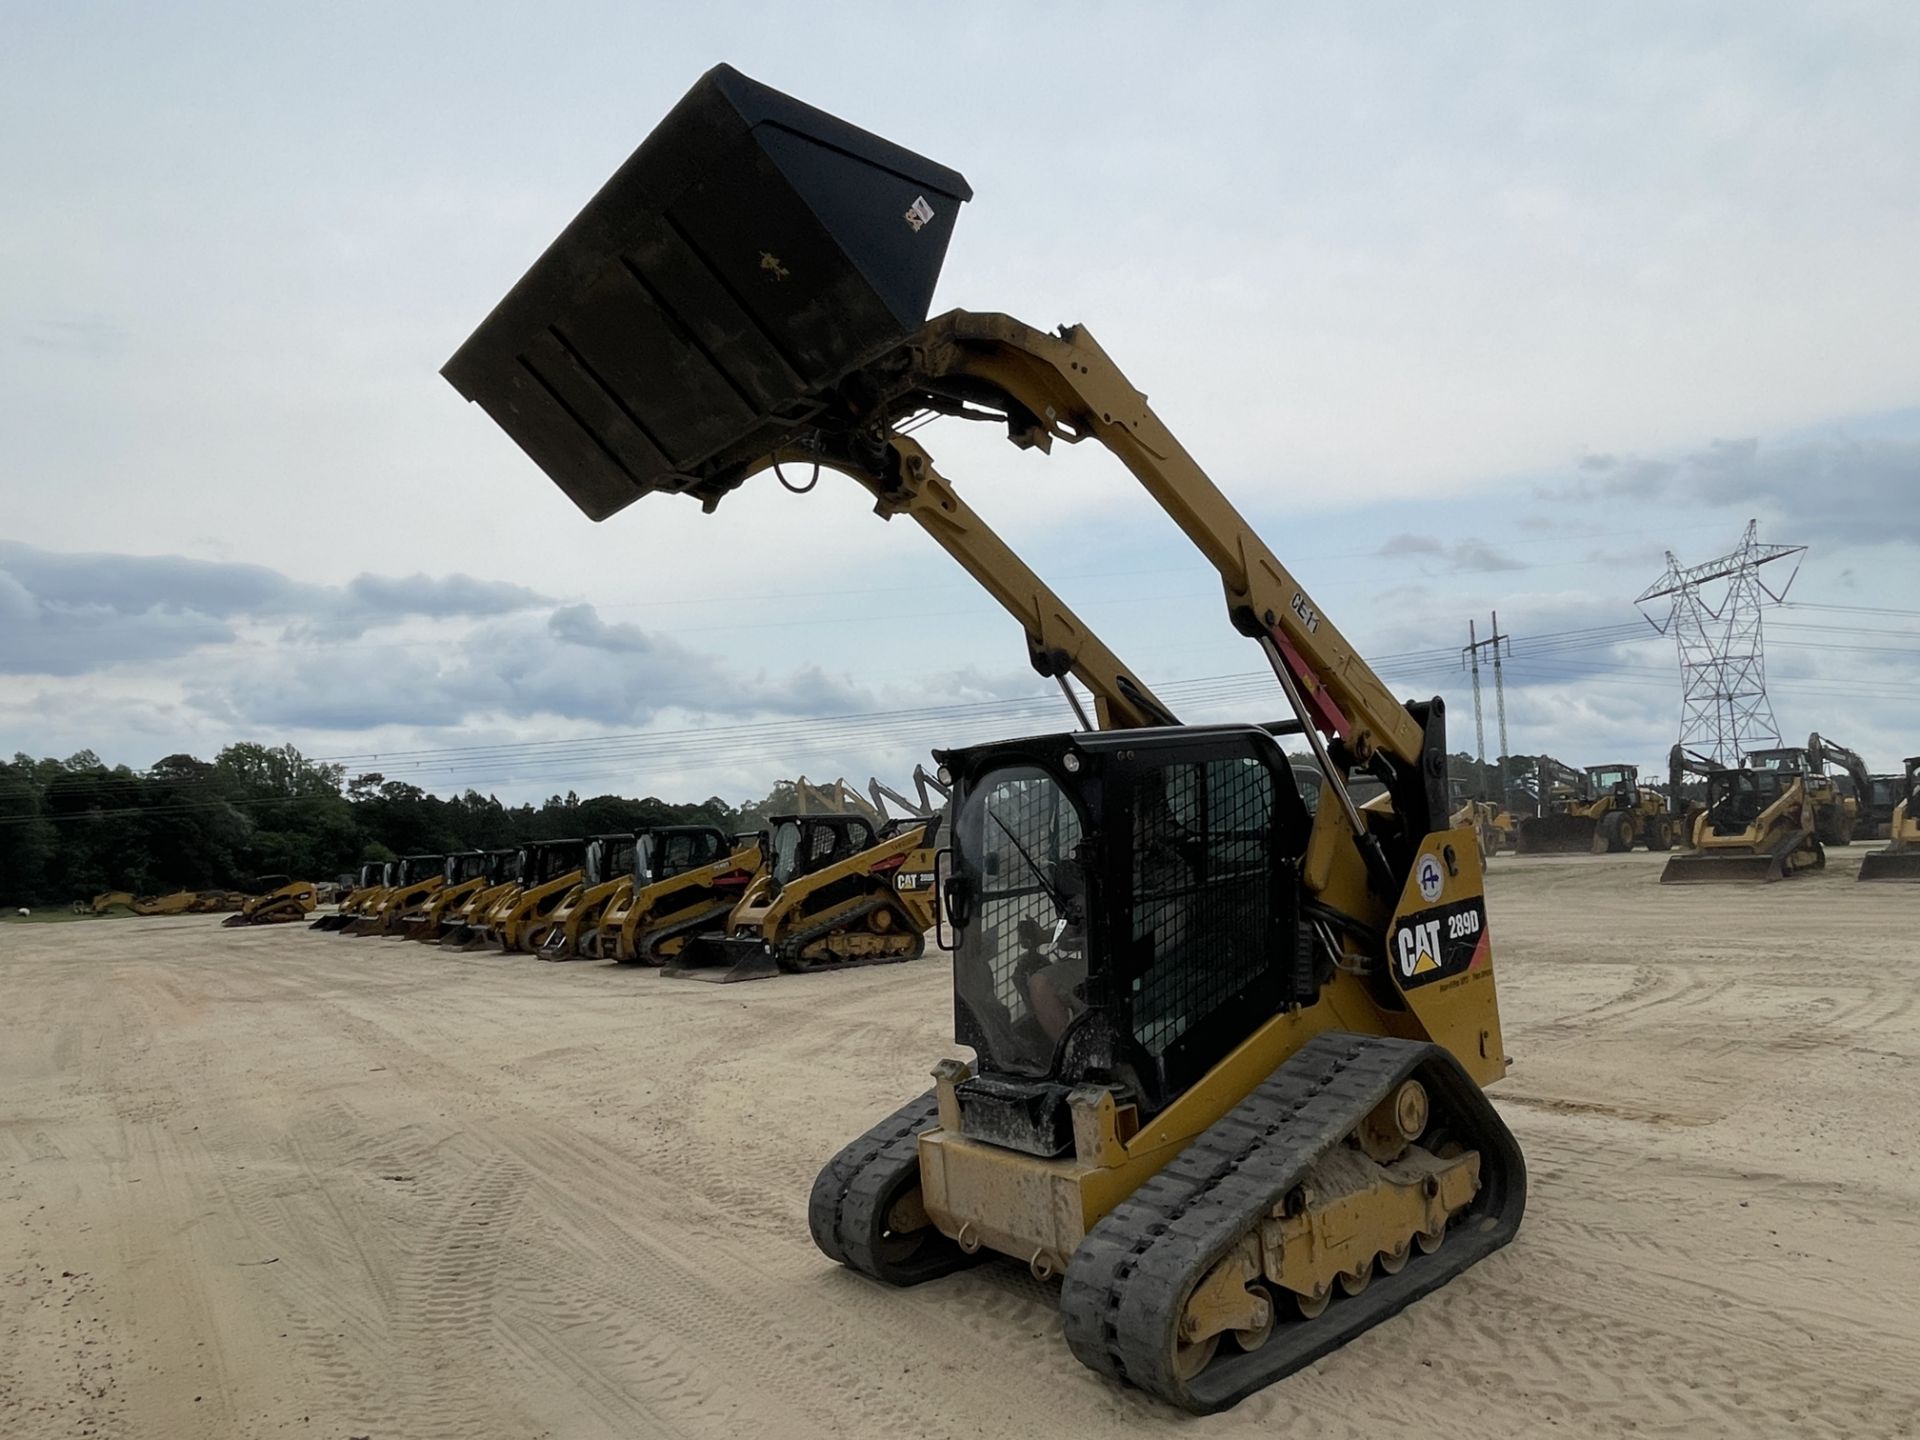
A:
1891,864
697,315
722,960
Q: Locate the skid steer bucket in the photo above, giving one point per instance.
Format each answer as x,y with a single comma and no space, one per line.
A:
696,316
722,960
1744,866
1891,864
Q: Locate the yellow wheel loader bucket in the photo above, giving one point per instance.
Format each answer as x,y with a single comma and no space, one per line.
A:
1556,835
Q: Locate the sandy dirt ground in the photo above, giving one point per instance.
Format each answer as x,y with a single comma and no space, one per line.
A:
261,1183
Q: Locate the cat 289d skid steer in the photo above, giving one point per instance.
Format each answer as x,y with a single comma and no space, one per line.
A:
1229,1054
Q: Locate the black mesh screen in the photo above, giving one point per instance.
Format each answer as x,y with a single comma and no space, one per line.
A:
1022,836
1202,892
822,844
619,860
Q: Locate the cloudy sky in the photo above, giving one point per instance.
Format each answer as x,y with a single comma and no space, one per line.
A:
1468,308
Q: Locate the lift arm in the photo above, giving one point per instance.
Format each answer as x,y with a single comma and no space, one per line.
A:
1059,643
1065,387
932,795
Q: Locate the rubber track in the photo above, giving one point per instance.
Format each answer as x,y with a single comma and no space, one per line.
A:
786,955
1128,1283
650,941
857,1188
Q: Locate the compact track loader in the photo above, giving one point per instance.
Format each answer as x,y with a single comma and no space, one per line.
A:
1229,1054
544,872
1884,793
415,878
1757,826
837,891
463,876
462,920
375,876
1901,859
686,879
1833,813
606,867
289,901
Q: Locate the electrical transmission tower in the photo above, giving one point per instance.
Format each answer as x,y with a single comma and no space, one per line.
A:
1494,643
1713,613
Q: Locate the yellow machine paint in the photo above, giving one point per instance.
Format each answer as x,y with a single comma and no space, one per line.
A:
1229,1051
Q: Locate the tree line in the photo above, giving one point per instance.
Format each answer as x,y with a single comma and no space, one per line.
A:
76,827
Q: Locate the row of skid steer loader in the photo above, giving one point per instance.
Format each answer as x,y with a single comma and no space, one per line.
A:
841,889
836,890
1229,1053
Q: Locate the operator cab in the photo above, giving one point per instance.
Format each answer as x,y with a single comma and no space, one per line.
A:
546,860
465,866
1784,761
670,850
1621,780
804,844
1126,908
605,857
1737,798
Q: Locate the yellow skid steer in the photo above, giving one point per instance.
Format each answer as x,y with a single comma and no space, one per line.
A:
1901,859
1229,1056
685,880
836,892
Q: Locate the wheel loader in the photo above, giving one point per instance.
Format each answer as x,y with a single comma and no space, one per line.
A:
605,867
1605,811
375,876
293,900
1229,1056
414,879
1901,859
1757,825
685,880
836,891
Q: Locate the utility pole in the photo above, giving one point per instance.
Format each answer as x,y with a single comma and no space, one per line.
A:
1714,614
1493,645
1497,640
1472,653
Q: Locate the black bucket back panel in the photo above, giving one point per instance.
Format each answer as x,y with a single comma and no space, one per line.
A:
749,255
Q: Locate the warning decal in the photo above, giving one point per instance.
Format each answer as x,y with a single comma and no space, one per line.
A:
1433,944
